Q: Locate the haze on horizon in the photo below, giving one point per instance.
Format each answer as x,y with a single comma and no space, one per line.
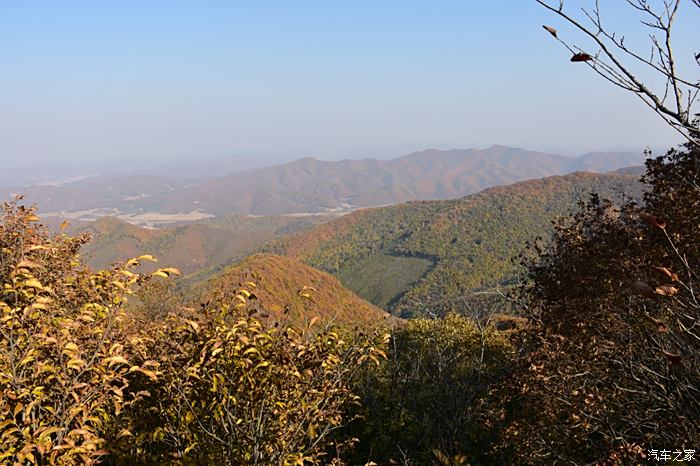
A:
133,83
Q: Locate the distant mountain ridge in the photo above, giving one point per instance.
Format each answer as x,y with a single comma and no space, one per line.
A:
309,185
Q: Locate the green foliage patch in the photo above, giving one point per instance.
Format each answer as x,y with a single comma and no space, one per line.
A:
398,274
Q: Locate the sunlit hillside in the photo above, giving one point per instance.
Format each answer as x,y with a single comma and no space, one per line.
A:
432,257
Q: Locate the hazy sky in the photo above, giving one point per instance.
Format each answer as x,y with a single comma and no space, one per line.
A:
143,81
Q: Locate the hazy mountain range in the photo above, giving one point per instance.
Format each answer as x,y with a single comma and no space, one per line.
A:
309,185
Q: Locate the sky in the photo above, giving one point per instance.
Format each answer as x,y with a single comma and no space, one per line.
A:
133,82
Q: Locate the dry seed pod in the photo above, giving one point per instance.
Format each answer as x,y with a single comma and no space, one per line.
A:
643,289
550,30
652,220
673,276
666,290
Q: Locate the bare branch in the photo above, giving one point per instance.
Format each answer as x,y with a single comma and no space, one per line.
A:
608,62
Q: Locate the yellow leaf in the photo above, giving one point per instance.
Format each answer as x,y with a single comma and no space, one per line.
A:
131,263
150,374
193,324
71,348
171,271
115,360
75,363
33,283
27,264
147,257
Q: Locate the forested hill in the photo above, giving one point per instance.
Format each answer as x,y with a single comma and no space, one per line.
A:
207,244
434,255
289,291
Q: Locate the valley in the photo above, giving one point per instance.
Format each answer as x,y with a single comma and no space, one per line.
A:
435,257
414,258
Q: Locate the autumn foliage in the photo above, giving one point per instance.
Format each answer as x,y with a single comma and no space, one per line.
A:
85,379
66,360
614,354
113,367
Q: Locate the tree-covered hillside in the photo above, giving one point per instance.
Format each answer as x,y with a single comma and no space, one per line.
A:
437,256
303,292
207,245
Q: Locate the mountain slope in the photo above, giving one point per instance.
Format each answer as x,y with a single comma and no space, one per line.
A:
279,284
310,185
432,256
190,247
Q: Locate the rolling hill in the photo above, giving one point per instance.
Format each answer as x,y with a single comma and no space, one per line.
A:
313,186
437,256
209,244
279,284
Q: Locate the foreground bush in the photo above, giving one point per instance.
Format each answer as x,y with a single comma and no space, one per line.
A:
82,381
65,354
418,405
232,391
615,356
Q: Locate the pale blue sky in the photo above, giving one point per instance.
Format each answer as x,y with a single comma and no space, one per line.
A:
157,80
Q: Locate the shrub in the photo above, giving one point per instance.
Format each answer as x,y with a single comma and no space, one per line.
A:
234,391
418,405
65,353
616,353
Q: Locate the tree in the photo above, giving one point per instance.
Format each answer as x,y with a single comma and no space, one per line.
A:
615,60
86,379
613,354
